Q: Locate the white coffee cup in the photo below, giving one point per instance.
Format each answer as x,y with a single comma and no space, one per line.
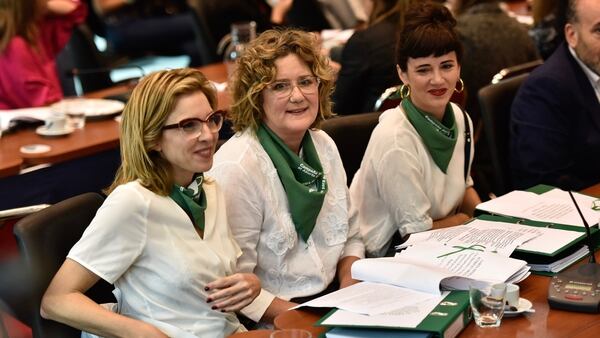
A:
56,122
512,295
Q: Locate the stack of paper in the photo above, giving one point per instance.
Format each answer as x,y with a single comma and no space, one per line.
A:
561,264
340,332
430,267
554,206
500,237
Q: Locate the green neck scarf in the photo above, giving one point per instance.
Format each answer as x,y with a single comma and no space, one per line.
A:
439,138
303,181
192,200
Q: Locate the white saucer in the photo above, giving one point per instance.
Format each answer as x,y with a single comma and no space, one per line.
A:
45,132
524,305
35,148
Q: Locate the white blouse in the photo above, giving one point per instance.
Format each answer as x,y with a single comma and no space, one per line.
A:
146,245
261,222
399,187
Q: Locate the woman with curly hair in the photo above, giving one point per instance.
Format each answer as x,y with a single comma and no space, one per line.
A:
283,178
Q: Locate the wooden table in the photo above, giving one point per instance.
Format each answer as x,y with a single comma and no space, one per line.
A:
97,136
253,334
545,322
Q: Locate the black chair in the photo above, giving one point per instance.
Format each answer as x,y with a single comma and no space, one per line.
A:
495,101
389,99
44,240
513,71
351,134
82,68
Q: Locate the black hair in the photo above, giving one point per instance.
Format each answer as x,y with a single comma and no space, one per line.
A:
428,30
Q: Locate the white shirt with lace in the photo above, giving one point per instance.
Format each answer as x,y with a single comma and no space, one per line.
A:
261,222
399,187
147,246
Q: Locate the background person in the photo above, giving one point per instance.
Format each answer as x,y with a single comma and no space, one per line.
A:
367,63
414,174
137,28
32,33
492,40
284,176
161,237
555,118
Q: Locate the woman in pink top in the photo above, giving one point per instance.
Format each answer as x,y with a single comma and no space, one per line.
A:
32,33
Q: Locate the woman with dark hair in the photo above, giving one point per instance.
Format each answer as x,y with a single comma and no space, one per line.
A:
414,175
368,59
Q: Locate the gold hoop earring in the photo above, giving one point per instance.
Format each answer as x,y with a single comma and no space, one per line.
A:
404,91
462,86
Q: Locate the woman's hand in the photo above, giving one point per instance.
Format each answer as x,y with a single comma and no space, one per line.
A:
280,10
232,293
61,7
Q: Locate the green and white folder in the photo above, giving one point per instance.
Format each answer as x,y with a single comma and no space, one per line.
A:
446,320
532,257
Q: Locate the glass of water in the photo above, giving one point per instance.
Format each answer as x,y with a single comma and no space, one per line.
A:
487,303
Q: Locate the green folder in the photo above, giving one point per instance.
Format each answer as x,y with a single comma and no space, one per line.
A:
446,320
540,257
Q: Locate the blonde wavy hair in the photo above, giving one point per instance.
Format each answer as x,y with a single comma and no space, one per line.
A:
256,69
144,116
19,18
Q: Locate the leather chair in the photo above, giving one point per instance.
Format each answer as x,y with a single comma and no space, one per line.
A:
44,239
351,134
513,71
82,68
495,101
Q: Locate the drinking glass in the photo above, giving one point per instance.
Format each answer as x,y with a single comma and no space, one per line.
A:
487,303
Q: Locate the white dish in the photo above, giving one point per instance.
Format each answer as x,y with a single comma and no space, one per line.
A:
524,306
45,132
35,148
92,108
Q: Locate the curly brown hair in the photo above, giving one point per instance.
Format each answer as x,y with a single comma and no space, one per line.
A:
256,69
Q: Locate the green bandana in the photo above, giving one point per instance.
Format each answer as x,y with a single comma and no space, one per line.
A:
192,200
303,181
439,138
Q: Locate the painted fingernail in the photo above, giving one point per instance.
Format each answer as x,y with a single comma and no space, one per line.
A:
208,300
214,307
206,288
222,310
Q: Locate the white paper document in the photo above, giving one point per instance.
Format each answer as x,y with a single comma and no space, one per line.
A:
40,113
500,237
408,316
371,298
561,264
428,267
466,263
555,207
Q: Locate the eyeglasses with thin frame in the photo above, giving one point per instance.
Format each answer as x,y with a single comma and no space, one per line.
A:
193,127
306,84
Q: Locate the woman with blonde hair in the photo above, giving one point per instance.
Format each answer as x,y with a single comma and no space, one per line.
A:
32,33
161,237
284,176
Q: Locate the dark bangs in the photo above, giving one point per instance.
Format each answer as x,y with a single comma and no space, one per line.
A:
430,39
